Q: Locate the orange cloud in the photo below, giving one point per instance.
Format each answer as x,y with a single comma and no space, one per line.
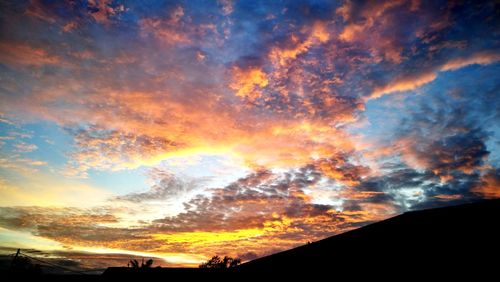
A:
489,187
479,58
404,84
414,81
102,10
248,83
317,34
177,108
37,10
370,16
367,25
68,27
175,30
339,169
25,55
165,32
131,129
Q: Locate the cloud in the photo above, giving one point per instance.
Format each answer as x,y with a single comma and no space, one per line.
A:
22,147
263,207
118,149
145,104
247,83
416,80
167,186
87,260
20,54
456,142
47,222
341,170
166,30
489,187
369,14
242,204
102,10
261,211
6,121
480,58
227,7
17,163
439,149
404,84
377,26
296,46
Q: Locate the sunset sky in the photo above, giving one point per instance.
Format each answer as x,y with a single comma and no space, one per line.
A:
184,129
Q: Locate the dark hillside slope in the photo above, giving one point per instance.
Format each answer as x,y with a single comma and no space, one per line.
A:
456,239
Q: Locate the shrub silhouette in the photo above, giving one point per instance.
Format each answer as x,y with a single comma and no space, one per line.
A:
135,264
218,262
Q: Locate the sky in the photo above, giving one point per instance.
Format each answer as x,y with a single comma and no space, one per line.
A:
183,129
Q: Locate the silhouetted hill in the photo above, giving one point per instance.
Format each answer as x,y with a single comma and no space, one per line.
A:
447,242
451,240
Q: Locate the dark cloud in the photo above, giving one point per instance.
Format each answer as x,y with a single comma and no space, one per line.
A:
444,138
66,225
248,202
442,142
167,186
29,217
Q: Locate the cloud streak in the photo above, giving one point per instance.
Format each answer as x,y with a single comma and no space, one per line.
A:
414,81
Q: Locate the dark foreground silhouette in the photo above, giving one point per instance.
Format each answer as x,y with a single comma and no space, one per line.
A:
452,242
448,242
444,242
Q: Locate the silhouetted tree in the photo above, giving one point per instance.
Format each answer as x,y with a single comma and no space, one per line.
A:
148,264
218,262
135,264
